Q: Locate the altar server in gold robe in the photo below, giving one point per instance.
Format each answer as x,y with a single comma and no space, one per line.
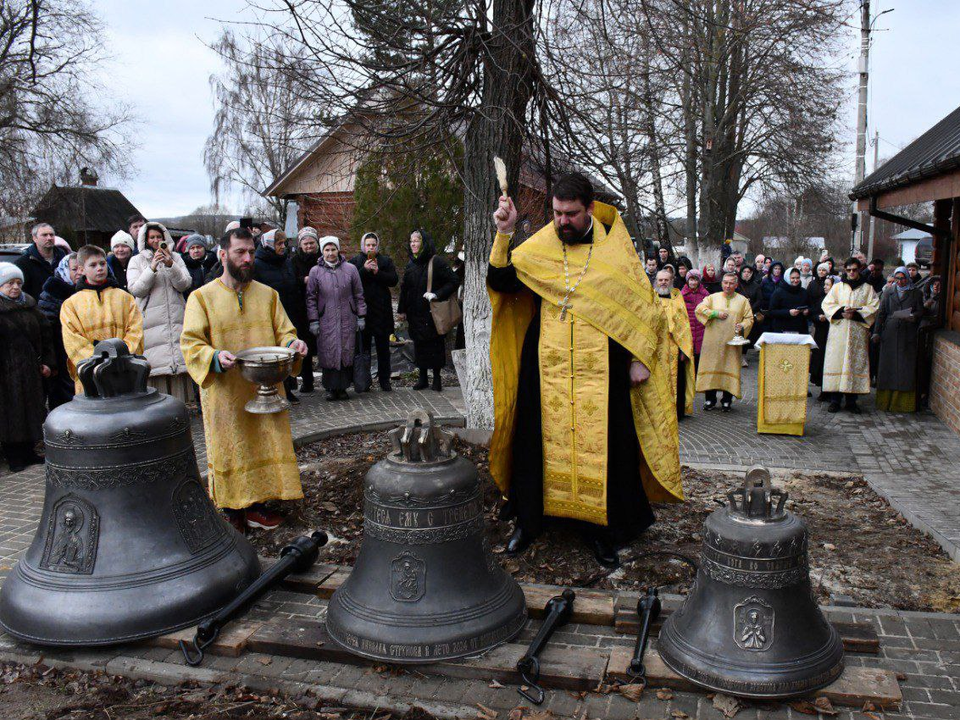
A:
851,307
585,423
677,353
250,458
723,314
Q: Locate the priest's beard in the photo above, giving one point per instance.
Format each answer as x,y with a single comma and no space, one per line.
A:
663,292
571,235
241,273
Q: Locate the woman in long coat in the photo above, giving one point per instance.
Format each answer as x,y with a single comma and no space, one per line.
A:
58,287
336,310
26,357
897,332
693,294
302,261
429,350
821,329
790,306
378,274
157,277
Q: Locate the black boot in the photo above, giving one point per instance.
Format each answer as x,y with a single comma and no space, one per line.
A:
424,380
518,542
852,406
436,380
604,551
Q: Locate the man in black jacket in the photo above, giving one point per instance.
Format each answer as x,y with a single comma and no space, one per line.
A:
39,261
378,274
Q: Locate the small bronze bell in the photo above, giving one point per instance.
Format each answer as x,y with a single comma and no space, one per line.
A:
425,586
129,544
751,625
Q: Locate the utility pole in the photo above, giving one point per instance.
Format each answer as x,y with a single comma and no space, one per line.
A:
873,220
862,115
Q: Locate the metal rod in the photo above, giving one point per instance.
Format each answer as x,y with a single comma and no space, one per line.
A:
648,608
558,609
296,557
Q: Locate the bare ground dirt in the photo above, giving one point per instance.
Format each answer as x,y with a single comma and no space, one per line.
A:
859,545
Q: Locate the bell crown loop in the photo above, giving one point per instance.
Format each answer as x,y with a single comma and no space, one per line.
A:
112,371
420,440
757,500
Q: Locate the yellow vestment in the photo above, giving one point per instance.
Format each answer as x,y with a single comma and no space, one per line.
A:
720,363
250,457
680,341
614,300
846,360
88,316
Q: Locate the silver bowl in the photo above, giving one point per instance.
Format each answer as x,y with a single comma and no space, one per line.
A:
266,367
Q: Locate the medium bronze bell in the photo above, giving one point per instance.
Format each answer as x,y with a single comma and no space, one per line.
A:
751,625
129,544
425,586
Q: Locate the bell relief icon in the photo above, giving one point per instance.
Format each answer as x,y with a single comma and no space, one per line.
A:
408,575
753,624
72,533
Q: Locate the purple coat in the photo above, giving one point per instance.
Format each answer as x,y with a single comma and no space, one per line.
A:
335,299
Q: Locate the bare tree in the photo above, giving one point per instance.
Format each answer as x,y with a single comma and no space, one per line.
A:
259,128
49,126
426,75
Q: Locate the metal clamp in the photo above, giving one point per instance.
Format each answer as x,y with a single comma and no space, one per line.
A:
558,609
648,608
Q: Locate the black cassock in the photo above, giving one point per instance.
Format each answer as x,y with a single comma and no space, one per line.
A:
628,510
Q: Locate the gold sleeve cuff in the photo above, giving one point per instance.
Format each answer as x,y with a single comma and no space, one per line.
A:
500,252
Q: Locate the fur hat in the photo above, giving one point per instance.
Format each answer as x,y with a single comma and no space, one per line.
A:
8,272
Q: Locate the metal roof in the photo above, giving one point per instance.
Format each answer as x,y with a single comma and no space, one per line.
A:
933,153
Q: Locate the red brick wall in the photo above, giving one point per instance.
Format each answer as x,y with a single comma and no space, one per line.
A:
945,381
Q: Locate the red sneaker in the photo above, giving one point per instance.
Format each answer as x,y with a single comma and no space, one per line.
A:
263,519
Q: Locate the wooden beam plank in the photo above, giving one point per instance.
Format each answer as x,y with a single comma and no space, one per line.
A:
230,643
857,637
856,686
591,607
561,666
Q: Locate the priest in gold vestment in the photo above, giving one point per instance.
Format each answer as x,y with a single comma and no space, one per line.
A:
250,458
723,314
585,422
851,307
677,353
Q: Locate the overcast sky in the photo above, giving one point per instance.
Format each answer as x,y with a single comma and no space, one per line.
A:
161,65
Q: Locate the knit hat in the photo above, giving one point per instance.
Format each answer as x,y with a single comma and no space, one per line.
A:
308,232
8,272
122,237
194,240
329,240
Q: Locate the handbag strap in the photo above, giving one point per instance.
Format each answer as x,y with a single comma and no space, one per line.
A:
430,274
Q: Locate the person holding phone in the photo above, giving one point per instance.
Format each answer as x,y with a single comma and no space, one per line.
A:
790,305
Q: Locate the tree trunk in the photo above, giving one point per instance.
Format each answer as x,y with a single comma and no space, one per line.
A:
497,129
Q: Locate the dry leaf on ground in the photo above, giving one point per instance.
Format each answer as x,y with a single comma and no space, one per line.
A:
664,694
633,691
485,713
726,704
679,714
541,715
495,685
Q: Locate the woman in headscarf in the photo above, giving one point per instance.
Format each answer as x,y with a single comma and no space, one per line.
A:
429,350
749,287
693,294
821,329
58,287
377,274
683,267
806,272
302,262
896,331
272,267
790,306
157,277
26,358
336,310
709,279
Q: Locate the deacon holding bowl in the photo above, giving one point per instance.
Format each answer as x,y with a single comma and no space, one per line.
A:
250,457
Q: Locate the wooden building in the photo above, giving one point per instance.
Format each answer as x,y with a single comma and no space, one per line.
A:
85,213
928,171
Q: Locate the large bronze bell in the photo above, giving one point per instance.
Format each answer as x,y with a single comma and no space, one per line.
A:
425,586
129,544
751,625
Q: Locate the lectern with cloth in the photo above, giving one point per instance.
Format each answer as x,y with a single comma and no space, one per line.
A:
783,379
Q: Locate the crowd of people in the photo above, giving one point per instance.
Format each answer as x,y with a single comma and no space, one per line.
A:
56,304
869,327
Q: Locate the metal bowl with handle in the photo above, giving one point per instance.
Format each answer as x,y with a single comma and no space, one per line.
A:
266,367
